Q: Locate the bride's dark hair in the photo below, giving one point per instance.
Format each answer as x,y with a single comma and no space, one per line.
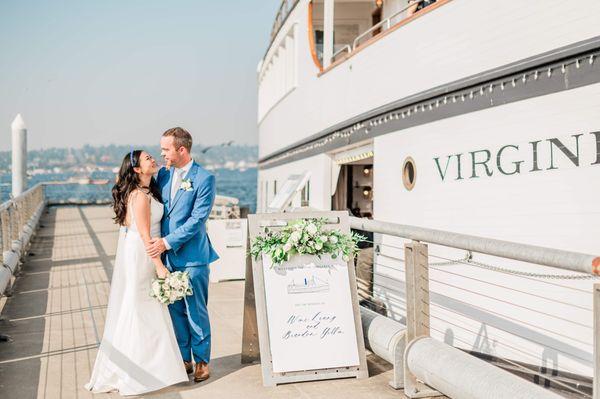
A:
127,182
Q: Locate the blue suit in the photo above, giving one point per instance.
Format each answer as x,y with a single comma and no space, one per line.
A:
184,227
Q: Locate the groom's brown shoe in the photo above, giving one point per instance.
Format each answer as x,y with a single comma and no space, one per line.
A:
201,372
189,367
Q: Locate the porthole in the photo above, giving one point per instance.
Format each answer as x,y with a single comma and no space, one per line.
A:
409,173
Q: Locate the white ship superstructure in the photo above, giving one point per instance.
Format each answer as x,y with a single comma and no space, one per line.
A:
471,116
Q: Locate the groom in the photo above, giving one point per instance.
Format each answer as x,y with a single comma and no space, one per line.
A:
188,192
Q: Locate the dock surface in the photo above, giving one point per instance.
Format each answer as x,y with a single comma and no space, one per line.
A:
56,317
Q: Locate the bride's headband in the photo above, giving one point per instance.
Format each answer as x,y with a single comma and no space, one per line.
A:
131,157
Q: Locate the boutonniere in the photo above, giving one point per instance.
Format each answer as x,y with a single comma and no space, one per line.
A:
186,185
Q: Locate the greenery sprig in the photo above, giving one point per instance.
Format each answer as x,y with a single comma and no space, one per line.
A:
305,237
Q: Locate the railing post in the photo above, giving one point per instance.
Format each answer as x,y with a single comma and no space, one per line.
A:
250,343
596,310
417,310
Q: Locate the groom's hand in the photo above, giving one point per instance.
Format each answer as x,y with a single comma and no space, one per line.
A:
155,247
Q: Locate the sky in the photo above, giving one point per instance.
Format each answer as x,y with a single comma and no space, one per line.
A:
123,71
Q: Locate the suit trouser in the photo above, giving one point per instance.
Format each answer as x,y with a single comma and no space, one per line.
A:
190,317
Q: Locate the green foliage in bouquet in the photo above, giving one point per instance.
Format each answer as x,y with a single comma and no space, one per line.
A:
305,237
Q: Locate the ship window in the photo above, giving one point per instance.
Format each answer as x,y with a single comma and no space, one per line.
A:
305,195
409,173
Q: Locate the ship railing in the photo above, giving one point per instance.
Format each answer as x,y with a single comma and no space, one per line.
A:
283,12
345,49
372,31
385,24
19,218
451,285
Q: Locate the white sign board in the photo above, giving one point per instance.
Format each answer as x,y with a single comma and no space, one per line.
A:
228,236
310,315
307,312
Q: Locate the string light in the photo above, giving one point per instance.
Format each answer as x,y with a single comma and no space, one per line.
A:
384,119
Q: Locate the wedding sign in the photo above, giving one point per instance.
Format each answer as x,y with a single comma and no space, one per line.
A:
310,314
306,303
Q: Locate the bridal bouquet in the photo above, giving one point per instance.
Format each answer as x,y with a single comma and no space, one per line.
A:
171,288
305,236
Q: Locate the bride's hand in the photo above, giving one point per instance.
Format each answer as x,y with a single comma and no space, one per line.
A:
162,272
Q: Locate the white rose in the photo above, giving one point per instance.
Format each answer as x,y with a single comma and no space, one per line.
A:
173,296
295,236
287,247
311,229
333,239
176,284
156,288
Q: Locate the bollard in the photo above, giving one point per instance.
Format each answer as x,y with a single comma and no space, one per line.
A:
19,156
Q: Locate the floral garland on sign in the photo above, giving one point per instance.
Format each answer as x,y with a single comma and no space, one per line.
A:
305,237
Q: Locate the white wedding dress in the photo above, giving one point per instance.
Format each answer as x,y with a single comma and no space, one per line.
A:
139,351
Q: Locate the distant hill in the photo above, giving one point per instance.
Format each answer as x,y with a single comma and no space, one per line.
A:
112,155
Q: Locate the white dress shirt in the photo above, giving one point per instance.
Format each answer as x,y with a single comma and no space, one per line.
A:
176,183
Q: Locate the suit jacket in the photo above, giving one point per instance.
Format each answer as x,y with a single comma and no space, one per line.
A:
184,221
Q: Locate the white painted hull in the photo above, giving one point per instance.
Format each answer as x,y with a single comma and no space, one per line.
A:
544,322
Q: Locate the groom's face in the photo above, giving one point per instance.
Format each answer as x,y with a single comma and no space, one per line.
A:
172,155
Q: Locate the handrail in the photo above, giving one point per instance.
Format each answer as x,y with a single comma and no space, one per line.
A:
387,22
378,25
6,204
557,258
283,12
19,217
345,48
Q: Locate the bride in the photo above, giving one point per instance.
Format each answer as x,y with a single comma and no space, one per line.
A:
138,352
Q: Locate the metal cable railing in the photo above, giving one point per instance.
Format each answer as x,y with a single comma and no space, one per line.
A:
18,220
531,326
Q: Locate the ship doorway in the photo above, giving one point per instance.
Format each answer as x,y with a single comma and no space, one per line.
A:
354,189
354,193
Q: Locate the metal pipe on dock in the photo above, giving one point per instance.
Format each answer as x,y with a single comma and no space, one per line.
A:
386,338
566,260
459,375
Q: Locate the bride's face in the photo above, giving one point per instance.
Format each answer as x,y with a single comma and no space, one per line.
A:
148,165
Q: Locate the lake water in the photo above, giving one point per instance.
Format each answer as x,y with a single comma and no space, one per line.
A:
233,183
